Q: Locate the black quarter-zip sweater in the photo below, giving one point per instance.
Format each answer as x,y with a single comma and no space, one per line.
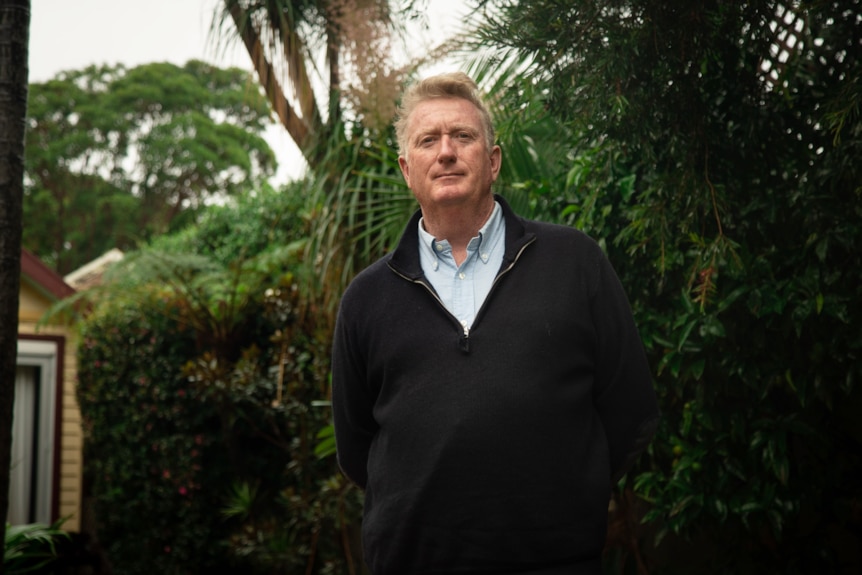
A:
492,451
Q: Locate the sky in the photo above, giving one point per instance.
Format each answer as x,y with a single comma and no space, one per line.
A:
73,34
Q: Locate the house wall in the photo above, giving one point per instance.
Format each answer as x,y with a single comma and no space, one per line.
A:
68,472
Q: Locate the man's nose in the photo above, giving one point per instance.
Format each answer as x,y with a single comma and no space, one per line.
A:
447,149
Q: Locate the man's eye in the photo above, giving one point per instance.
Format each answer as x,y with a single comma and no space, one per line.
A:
427,140
465,136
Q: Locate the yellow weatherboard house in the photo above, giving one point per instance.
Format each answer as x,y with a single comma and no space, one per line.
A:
47,441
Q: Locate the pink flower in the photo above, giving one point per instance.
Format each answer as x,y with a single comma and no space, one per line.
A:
183,490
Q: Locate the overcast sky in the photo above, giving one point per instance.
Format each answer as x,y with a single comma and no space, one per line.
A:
72,34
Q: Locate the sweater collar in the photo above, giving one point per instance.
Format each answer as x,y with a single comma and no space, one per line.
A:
405,258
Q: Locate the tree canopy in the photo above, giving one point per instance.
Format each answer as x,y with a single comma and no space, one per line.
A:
115,155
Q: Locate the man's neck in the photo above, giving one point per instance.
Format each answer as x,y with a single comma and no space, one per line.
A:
457,225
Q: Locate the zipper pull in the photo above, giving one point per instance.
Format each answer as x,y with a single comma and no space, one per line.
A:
464,341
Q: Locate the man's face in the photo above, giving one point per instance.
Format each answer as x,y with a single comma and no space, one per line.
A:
447,161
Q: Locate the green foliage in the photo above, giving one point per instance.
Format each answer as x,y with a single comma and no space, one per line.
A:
198,384
358,207
114,156
153,445
536,146
264,220
728,200
28,548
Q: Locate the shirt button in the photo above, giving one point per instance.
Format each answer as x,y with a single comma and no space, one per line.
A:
461,275
438,247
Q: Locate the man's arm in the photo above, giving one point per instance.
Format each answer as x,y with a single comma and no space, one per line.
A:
351,404
624,396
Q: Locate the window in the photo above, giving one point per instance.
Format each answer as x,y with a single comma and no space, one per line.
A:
33,426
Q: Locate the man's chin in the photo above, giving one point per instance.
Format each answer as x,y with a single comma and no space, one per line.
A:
454,195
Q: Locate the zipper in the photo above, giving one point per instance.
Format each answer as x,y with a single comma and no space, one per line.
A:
464,340
500,275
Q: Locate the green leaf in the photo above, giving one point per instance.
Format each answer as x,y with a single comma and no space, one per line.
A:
326,446
686,331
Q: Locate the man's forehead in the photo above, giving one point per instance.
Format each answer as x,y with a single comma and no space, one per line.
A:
444,113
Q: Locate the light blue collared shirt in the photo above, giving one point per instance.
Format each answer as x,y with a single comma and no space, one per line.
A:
464,288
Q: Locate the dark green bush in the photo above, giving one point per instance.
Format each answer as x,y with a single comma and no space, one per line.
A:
200,391
156,454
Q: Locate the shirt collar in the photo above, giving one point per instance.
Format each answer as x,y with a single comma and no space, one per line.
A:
489,235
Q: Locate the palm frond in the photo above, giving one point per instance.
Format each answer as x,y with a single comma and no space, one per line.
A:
30,547
357,217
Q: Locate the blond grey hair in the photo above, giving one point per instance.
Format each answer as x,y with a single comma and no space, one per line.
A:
448,85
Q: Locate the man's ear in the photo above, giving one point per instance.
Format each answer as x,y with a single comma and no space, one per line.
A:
496,161
405,169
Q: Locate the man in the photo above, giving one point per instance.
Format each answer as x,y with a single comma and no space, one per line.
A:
489,385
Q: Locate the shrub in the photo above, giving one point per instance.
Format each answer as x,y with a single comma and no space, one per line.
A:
155,448
28,548
200,389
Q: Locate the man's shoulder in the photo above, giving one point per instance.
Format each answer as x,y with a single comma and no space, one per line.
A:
371,278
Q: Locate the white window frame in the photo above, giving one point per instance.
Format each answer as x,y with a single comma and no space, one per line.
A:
44,356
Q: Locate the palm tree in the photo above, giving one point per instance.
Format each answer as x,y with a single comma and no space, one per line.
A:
285,39
14,39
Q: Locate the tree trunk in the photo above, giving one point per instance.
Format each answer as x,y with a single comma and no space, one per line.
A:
296,127
14,39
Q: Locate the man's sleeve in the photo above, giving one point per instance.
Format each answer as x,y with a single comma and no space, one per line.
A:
624,396
351,403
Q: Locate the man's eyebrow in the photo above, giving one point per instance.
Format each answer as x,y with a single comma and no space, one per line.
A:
464,128
452,130
430,131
